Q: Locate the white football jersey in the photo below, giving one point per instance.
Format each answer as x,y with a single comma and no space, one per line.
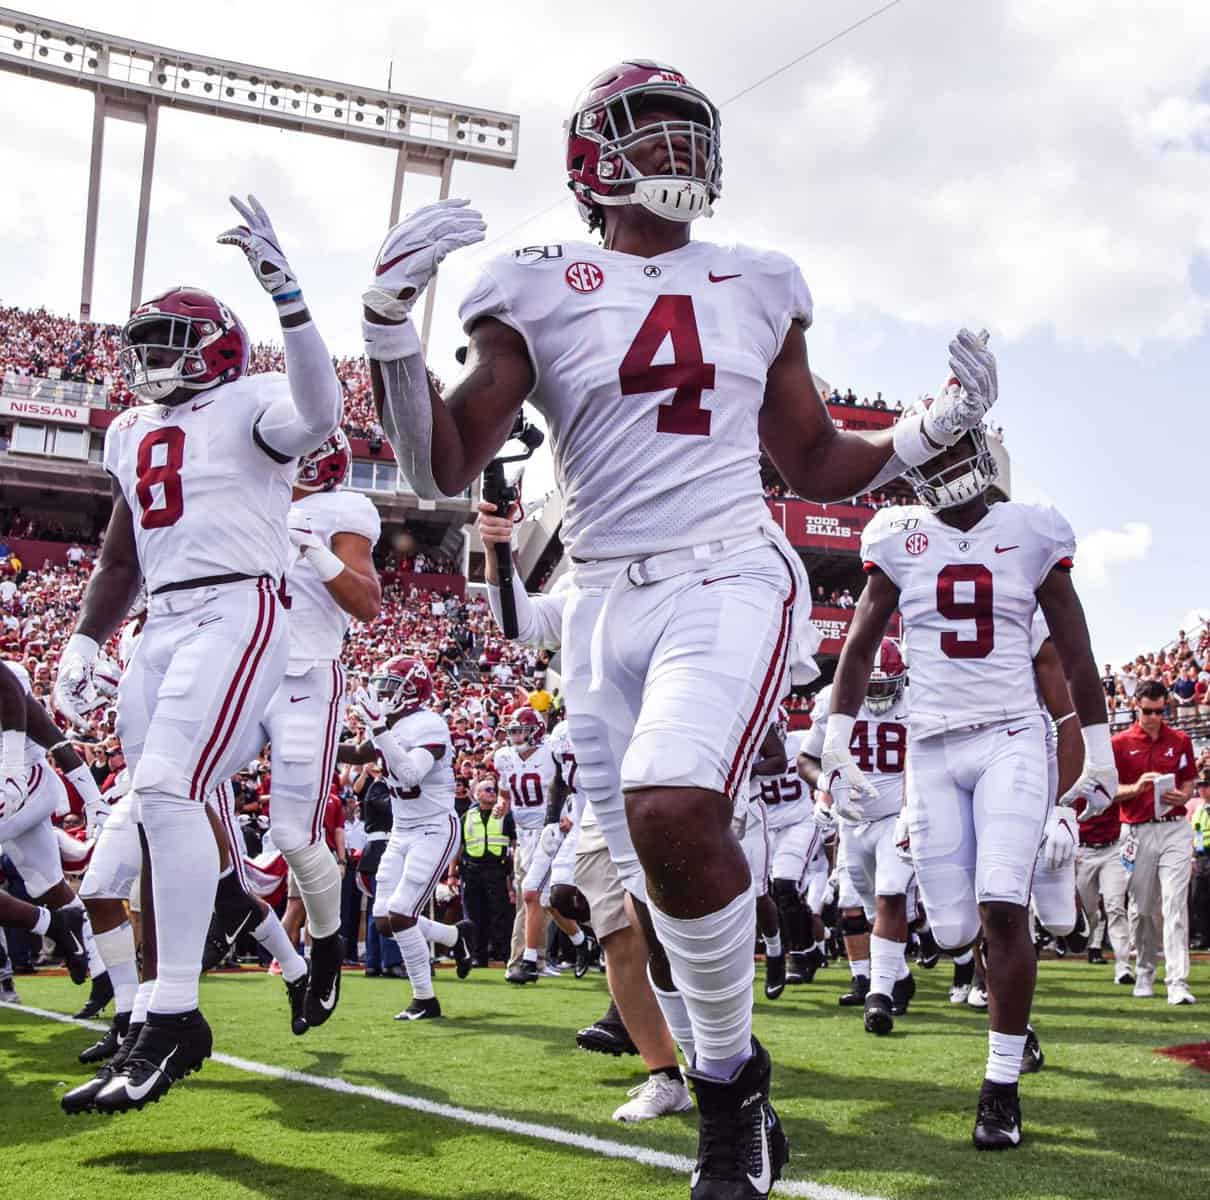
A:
787,797
968,598
650,373
434,796
528,781
878,746
205,498
34,753
317,622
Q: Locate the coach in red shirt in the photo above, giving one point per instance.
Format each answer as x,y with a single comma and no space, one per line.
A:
1158,844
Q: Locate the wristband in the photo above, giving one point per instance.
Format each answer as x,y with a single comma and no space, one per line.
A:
13,742
289,304
386,343
83,645
1065,717
324,563
911,444
839,731
1097,746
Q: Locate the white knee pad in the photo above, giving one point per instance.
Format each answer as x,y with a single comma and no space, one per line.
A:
318,879
955,928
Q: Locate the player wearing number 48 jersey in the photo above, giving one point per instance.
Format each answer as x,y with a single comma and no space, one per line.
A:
202,476
967,577
661,365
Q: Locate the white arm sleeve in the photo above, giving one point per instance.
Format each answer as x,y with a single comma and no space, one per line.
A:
539,618
301,422
407,767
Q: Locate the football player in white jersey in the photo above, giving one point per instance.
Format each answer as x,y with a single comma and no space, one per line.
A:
967,577
533,789
414,744
660,365
877,875
202,476
331,581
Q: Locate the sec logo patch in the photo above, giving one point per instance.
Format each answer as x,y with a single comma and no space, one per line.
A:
916,543
584,277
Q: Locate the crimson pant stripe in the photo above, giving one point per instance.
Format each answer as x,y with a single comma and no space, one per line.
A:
439,870
325,783
35,778
767,696
223,799
237,693
806,862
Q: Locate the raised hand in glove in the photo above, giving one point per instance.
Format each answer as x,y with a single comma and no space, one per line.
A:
970,392
259,242
369,711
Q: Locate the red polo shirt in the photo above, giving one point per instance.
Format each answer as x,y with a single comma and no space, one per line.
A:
1135,754
1105,827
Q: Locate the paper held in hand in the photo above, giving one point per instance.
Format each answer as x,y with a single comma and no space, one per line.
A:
1163,786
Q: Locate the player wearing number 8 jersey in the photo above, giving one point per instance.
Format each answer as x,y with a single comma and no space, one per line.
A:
967,577
661,365
202,476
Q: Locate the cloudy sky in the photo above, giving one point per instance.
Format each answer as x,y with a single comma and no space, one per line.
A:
1040,168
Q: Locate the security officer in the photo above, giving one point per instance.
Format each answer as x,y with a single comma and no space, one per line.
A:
382,955
1199,896
485,866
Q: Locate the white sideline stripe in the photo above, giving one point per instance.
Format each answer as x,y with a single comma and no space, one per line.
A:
484,1120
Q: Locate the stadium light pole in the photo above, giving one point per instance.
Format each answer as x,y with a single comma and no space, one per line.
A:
132,80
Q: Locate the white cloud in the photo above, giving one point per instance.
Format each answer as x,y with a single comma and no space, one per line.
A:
1104,549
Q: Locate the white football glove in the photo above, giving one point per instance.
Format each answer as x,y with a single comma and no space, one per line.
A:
369,711
966,398
313,550
260,244
412,251
1060,838
903,837
1098,782
12,796
825,817
75,695
551,839
838,764
302,536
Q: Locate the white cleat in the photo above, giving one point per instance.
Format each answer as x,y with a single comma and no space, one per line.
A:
1144,987
1178,993
656,1096
550,971
977,997
960,993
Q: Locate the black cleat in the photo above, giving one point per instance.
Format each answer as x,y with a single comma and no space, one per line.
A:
66,930
803,965
296,993
420,1010
462,949
584,955
775,975
81,1099
524,972
741,1146
1095,956
220,944
902,993
998,1120
607,1036
878,1014
169,1048
99,995
323,984
928,953
108,1044
1032,1058
856,997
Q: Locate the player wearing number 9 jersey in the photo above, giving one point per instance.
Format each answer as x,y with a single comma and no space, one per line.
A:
202,476
661,365
967,577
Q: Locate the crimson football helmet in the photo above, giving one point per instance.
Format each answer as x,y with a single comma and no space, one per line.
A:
604,130
959,473
326,468
526,728
887,678
180,342
402,684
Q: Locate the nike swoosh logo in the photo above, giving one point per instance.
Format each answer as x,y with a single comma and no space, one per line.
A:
137,1092
209,621
1014,732
238,930
1014,1135
1136,752
75,941
1005,549
764,1181
205,404
383,268
721,278
328,1002
717,579
296,699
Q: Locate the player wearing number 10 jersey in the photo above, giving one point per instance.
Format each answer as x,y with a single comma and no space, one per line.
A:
202,477
661,365
967,577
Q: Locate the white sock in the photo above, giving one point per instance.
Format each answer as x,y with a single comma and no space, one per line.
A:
1004,1051
577,938
530,955
318,879
886,957
963,958
435,931
822,947
96,964
184,875
713,969
42,922
415,952
142,1000
773,945
116,948
361,949
859,966
904,969
271,934
676,1017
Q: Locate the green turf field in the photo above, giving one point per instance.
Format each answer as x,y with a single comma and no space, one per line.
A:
1108,1117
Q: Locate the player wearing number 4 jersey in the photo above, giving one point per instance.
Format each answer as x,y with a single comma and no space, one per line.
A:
967,577
661,365
202,476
